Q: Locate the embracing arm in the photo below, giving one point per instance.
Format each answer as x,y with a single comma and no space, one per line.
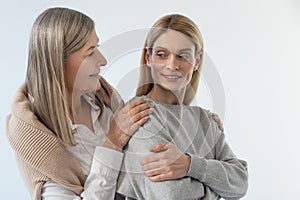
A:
100,183
222,172
174,163
225,174
102,179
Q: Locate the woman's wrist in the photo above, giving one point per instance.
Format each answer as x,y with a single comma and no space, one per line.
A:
188,162
109,144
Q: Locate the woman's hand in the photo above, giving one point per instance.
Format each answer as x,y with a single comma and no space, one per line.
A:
217,119
126,120
167,163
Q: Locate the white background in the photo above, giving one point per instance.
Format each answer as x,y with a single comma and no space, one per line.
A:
254,45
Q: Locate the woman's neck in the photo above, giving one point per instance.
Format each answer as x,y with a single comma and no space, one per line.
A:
80,110
77,105
162,95
75,100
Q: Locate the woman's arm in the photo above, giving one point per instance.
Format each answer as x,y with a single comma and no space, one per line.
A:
167,163
101,181
54,191
223,173
226,175
176,163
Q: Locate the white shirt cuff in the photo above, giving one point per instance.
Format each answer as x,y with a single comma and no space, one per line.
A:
107,161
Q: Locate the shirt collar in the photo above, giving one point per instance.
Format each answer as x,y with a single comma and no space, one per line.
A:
90,98
95,111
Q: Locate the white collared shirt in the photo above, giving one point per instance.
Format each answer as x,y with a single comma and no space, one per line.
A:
100,164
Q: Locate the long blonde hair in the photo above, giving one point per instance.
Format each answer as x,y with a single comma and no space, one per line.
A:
183,25
56,33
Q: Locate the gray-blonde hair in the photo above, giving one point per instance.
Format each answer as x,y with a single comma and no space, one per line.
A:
56,33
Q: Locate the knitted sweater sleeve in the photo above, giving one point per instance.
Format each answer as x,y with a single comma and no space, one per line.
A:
225,174
40,149
45,154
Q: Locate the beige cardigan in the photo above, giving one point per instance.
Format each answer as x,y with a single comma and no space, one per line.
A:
41,155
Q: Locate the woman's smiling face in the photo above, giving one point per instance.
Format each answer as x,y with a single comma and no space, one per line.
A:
172,60
82,67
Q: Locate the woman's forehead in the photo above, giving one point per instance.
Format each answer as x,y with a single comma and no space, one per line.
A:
174,41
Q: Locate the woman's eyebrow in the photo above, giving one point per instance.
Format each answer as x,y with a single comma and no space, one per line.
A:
160,48
186,49
180,50
92,47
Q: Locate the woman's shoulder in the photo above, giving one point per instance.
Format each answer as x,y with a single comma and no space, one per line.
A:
194,111
203,112
206,119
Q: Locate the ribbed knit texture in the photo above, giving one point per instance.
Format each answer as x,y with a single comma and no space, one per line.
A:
41,155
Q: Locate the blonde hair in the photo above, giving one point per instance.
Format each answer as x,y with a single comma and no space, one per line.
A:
183,25
56,33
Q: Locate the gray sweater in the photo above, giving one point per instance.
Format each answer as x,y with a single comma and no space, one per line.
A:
214,172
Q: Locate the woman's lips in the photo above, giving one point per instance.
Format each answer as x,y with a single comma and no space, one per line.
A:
97,74
172,77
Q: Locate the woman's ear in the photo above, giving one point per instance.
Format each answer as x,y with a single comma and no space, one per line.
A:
148,58
198,60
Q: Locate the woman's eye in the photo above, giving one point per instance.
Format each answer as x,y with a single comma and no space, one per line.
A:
90,54
93,50
161,55
183,56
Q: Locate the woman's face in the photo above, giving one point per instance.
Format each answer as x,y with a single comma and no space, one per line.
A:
172,60
82,67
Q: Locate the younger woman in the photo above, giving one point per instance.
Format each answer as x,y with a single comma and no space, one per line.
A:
185,142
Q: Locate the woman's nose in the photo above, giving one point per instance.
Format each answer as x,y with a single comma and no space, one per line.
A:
101,60
172,63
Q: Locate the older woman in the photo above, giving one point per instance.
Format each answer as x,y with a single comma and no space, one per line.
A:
68,126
